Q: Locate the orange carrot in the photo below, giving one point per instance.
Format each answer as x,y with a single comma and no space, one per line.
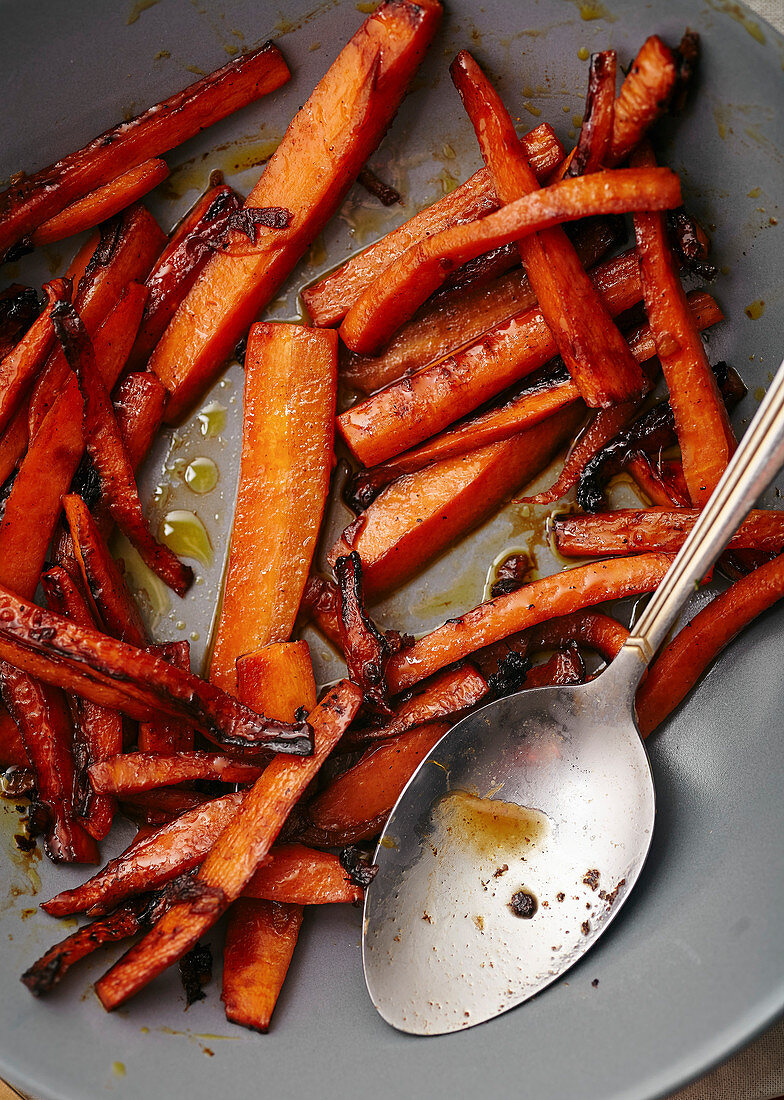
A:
21,366
645,94
597,127
298,875
139,402
167,734
260,941
132,772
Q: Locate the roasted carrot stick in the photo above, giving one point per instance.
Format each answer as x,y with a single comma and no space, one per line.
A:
652,484
564,667
679,666
36,198
593,349
98,731
298,875
290,390
146,864
533,603
130,773
20,367
329,299
167,734
589,628
102,203
174,272
12,750
139,684
631,531
645,94
414,408
596,131
701,421
163,805
235,856
321,605
139,402
105,447
321,154
19,307
393,299
420,515
260,941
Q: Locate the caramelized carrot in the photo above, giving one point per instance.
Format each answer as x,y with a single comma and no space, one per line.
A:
652,484
36,198
564,667
390,301
260,941
588,628
139,402
645,94
12,750
235,856
21,366
533,603
163,805
420,515
19,307
596,131
321,605
290,390
329,299
593,349
321,154
701,421
102,203
132,772
679,666
298,875
167,734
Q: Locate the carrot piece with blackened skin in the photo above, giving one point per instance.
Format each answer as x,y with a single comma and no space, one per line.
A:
163,805
167,734
366,649
596,131
260,941
21,366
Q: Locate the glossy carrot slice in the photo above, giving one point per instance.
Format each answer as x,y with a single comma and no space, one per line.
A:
133,772
704,432
260,941
679,666
139,402
167,734
12,751
596,131
329,299
645,95
588,628
652,484
321,154
34,199
564,667
290,390
163,805
298,875
235,856
593,349
103,203
533,603
394,298
21,366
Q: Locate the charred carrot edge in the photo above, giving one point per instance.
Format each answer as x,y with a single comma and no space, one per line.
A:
167,852
124,254
102,203
353,803
19,307
320,155
671,470
593,629
168,735
459,315
630,531
701,420
139,684
176,269
20,367
597,128
260,941
533,603
98,731
105,447
645,95
235,856
41,714
289,410
139,402
329,299
448,692
651,484
593,349
564,667
420,515
321,605
298,875
394,298
679,666
133,772
35,199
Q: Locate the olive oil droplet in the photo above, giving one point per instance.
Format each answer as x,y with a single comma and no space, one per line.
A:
201,475
185,534
212,419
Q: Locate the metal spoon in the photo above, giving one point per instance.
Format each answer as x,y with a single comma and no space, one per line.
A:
522,833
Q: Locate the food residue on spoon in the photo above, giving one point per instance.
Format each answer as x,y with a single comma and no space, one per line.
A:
488,825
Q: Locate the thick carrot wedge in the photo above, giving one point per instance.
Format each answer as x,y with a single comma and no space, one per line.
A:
533,603
596,131
36,198
20,367
167,852
175,271
390,301
139,402
645,95
704,432
414,408
103,203
260,941
321,154
420,515
299,875
593,349
235,856
679,666
167,734
290,390
356,804
139,684
98,731
329,299
133,772
631,531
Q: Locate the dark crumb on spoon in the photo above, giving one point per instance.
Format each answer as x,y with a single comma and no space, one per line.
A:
523,904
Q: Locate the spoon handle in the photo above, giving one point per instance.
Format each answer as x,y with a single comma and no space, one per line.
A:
759,457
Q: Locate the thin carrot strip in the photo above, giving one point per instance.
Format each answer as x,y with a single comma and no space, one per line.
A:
133,772
20,367
12,751
298,875
167,734
139,402
652,484
645,94
597,128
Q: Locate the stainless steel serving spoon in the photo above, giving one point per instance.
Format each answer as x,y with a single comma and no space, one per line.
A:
522,833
